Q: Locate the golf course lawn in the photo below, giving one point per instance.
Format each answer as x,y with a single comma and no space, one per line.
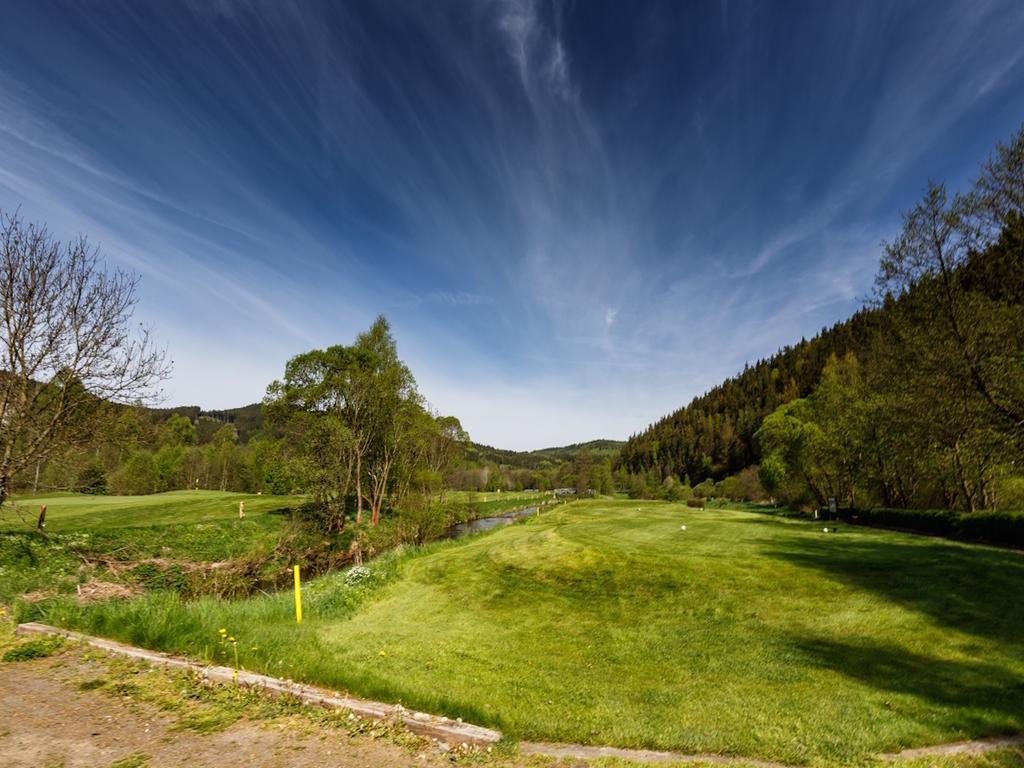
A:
603,622
76,512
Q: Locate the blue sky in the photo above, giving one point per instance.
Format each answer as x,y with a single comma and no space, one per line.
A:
577,216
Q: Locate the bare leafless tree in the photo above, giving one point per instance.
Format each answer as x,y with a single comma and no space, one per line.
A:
68,344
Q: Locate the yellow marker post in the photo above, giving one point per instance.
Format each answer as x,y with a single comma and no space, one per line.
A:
298,597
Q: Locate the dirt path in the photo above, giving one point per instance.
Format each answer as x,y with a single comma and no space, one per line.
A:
49,722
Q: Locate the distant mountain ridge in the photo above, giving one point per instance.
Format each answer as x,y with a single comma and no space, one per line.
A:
598,449
248,420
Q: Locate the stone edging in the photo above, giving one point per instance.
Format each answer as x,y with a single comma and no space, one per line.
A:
584,752
453,732
974,747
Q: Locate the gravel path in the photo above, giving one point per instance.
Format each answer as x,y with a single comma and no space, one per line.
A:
47,721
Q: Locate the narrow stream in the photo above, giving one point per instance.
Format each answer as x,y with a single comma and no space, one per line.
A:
487,523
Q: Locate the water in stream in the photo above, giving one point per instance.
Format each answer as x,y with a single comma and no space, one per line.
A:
486,523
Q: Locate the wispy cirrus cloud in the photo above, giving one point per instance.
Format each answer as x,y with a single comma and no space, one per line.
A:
447,299
575,217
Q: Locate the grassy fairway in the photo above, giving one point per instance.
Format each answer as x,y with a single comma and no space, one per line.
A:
605,623
76,512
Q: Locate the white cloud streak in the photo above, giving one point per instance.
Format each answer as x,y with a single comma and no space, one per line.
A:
557,265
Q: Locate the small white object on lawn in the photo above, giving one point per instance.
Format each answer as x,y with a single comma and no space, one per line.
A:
825,530
682,527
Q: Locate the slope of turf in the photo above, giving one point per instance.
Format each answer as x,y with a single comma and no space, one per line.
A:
604,622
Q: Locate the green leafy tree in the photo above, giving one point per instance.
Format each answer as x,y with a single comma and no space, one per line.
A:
168,462
137,475
704,489
349,411
222,456
177,430
953,284
582,473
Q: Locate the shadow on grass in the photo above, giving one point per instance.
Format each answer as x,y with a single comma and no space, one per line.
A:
980,697
970,589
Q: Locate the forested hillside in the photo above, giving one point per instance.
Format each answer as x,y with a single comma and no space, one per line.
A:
917,401
713,436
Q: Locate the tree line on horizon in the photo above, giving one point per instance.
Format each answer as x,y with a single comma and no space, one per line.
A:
139,450
917,401
345,425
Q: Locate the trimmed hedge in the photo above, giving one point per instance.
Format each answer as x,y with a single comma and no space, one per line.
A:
1004,529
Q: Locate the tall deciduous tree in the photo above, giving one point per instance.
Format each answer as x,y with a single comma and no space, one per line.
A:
355,414
315,404
965,335
68,345
393,404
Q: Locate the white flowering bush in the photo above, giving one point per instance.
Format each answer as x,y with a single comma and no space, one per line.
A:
360,574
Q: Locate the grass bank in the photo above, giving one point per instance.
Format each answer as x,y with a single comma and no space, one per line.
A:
192,542
89,537
604,622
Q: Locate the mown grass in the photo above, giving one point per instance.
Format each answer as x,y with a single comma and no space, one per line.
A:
264,627
604,622
73,512
82,512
